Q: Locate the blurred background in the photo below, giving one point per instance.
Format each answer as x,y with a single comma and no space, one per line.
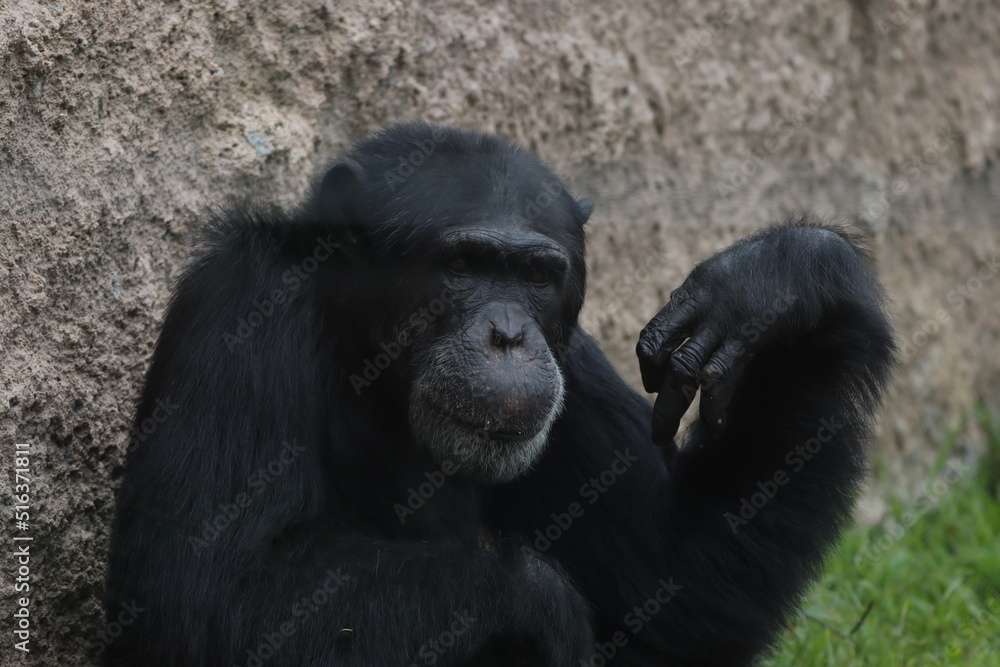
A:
690,123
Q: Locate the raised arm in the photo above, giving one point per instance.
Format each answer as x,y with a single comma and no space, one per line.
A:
786,337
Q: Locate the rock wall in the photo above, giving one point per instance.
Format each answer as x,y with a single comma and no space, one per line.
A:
689,122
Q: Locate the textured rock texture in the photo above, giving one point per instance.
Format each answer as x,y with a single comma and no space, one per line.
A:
689,122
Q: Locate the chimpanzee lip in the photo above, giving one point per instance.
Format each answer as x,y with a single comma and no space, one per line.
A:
499,431
509,434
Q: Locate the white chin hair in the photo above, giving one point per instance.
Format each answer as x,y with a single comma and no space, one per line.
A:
473,454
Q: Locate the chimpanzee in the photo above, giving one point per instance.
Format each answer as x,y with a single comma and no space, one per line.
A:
389,442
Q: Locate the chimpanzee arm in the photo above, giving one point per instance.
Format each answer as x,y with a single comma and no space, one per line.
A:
696,555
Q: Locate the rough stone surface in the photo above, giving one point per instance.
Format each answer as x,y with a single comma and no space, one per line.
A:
689,122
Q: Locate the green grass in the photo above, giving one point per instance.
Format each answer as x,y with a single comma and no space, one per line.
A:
922,588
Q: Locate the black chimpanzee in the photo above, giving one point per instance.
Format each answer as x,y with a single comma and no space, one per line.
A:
389,442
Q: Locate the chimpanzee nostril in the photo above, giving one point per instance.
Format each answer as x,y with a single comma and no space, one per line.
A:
506,325
507,337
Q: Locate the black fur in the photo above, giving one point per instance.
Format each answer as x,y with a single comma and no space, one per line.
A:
549,568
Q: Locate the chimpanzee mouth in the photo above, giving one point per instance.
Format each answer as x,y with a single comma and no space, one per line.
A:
485,438
509,434
494,431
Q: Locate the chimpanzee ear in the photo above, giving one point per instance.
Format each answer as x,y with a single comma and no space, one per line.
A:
586,208
334,200
336,193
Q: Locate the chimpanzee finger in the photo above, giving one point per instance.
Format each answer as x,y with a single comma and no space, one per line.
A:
681,383
719,377
661,336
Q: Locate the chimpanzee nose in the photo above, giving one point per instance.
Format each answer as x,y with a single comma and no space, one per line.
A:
507,324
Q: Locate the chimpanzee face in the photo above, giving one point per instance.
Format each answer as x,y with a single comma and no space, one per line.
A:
489,237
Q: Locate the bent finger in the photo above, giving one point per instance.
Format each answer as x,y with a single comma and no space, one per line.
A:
719,378
680,384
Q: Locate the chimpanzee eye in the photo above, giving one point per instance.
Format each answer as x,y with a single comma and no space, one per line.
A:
538,277
459,265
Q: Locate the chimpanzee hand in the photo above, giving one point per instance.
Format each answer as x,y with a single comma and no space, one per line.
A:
768,287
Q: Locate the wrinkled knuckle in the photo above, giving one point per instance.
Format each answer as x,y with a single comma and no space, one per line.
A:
688,309
647,345
684,363
723,359
679,296
714,370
